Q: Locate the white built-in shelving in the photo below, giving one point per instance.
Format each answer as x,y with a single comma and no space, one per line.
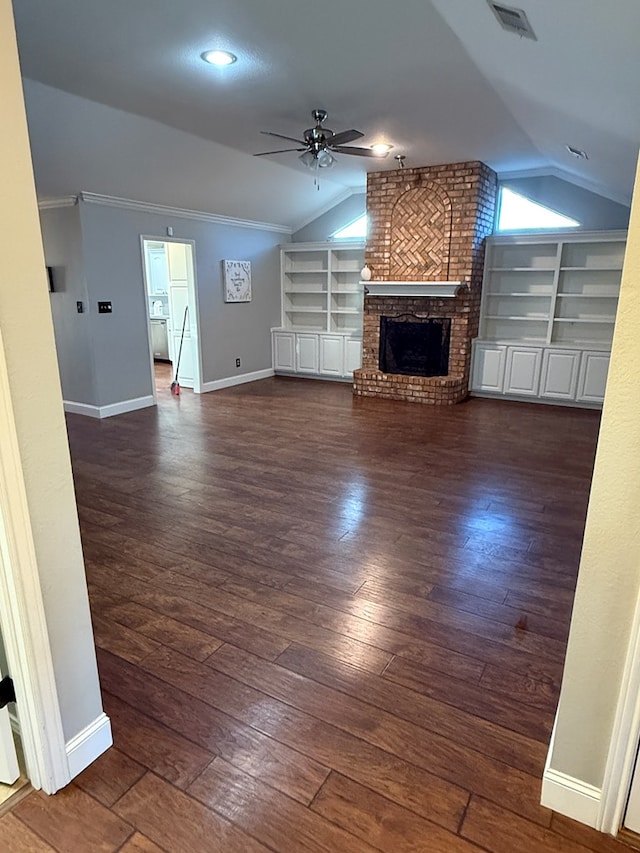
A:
321,328
548,312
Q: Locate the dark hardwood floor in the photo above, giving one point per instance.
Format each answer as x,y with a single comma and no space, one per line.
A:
324,624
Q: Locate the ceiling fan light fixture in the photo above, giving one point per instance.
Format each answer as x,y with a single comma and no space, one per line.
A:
325,159
308,159
381,149
219,57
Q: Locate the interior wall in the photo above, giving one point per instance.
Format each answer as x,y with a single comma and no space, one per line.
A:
321,229
113,270
609,577
62,238
27,331
594,212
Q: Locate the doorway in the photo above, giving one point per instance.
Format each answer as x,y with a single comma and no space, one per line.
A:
172,311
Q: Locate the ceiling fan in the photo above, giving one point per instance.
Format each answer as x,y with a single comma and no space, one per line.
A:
319,144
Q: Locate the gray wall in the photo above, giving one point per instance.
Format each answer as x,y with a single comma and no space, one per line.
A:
62,238
592,211
323,227
113,271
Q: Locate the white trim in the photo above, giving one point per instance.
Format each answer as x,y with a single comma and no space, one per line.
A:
625,735
61,201
81,409
330,205
567,795
111,409
230,381
22,616
88,744
444,289
570,178
183,213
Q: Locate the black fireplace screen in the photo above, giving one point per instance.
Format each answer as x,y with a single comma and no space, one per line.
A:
414,348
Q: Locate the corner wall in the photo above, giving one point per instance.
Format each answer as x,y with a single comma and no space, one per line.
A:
609,575
27,331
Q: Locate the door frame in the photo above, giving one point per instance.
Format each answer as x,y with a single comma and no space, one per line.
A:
625,737
22,615
194,308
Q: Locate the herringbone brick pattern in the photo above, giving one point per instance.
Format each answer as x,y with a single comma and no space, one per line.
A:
420,237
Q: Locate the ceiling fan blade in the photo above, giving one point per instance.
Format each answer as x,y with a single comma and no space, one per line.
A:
280,136
343,137
360,152
281,151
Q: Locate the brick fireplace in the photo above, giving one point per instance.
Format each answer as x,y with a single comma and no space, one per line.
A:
426,252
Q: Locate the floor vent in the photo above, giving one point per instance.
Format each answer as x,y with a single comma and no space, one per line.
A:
513,20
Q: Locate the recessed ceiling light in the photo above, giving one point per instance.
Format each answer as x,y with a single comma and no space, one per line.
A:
219,57
381,148
581,155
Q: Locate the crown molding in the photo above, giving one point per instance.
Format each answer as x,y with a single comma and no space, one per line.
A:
568,177
329,206
61,201
183,213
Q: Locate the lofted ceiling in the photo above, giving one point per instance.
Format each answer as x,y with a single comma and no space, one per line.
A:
437,78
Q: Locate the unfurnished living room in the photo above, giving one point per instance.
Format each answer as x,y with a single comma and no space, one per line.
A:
321,448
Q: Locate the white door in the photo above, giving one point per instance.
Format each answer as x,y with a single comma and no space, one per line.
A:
593,377
559,374
9,770
307,353
352,355
283,351
180,266
331,355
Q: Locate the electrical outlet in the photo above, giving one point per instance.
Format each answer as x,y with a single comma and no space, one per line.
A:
104,308
79,307
237,362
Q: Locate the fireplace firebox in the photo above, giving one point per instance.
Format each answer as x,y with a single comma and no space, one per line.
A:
411,346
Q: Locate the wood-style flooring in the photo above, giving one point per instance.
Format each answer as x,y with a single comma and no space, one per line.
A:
324,624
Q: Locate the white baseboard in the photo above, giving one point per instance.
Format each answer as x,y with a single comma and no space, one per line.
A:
81,409
230,381
88,744
110,410
571,797
126,406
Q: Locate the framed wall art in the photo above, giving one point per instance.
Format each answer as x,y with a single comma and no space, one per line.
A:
237,281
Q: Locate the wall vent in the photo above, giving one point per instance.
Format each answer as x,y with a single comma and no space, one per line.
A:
513,20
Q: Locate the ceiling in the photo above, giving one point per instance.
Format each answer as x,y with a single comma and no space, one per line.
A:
437,78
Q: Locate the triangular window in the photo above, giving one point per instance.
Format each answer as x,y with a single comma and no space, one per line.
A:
356,230
518,213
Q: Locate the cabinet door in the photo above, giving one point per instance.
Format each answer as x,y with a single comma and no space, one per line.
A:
284,351
331,355
352,355
592,382
488,368
306,353
559,374
523,371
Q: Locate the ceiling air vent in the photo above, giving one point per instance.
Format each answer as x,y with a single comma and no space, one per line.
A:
513,20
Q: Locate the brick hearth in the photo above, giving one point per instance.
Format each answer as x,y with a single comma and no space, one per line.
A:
426,224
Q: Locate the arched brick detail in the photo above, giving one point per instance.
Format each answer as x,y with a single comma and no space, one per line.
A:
421,235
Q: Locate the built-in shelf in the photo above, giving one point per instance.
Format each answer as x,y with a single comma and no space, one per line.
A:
447,289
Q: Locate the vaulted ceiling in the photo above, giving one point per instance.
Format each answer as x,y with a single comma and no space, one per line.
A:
439,79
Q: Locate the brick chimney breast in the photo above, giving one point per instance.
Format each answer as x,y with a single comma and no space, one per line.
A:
426,224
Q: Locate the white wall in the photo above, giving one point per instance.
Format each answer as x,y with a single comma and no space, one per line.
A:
609,578
321,228
25,319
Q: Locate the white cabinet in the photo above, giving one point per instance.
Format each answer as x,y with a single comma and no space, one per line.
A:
547,316
559,374
284,351
321,331
593,377
488,367
321,355
523,371
306,353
